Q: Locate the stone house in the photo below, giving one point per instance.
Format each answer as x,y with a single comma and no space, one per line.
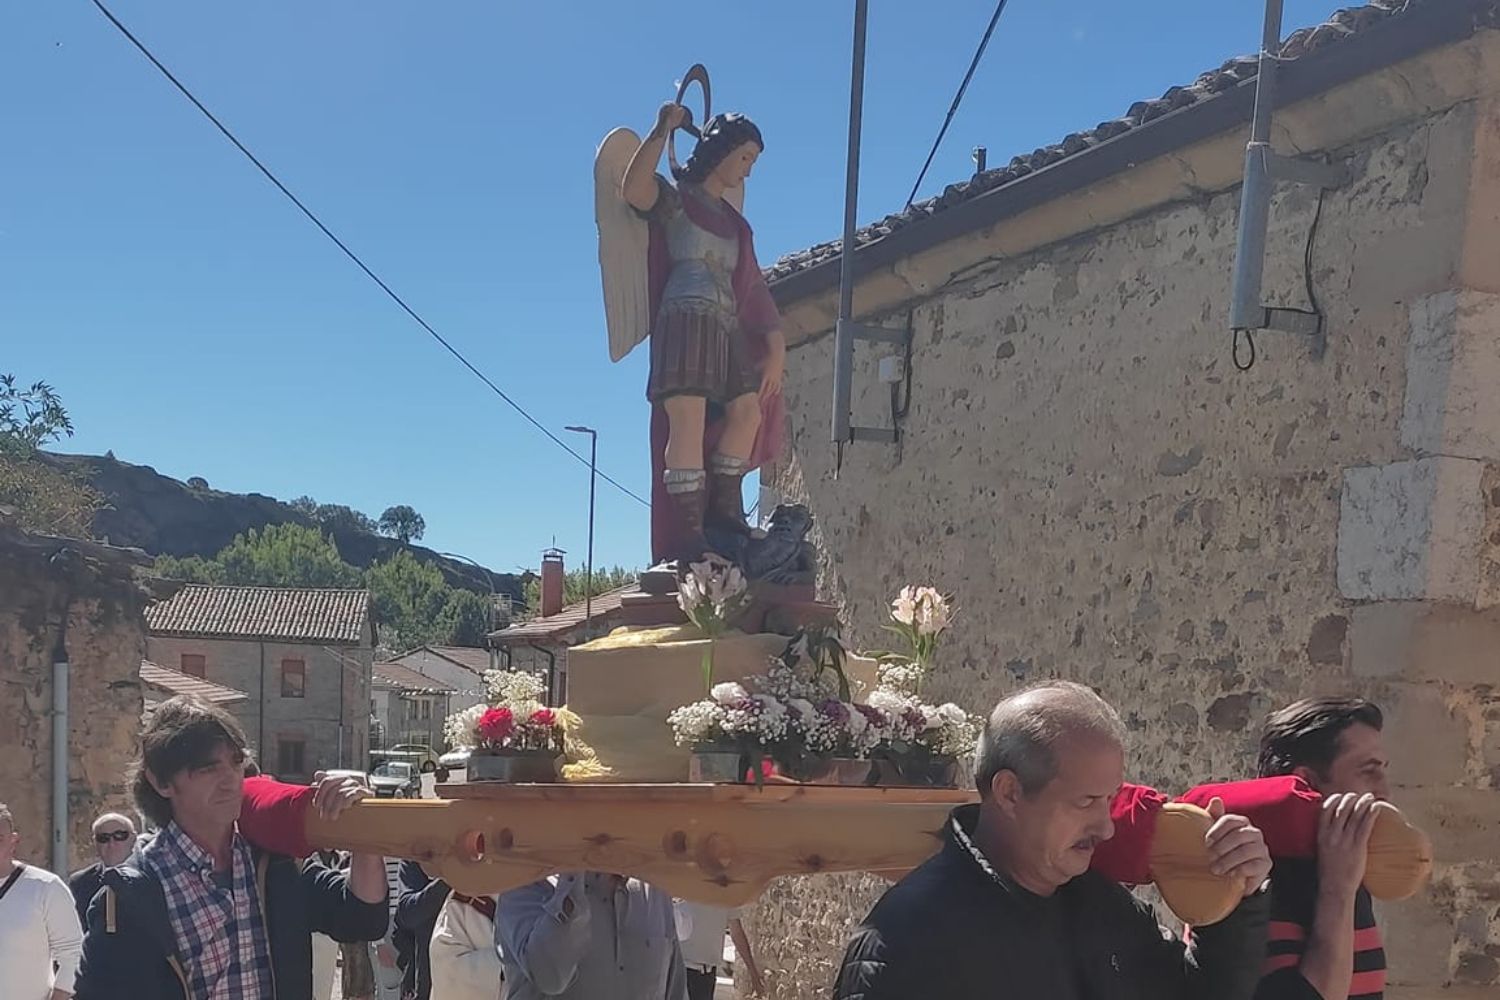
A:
408,707
541,644
79,602
303,654
1110,500
458,670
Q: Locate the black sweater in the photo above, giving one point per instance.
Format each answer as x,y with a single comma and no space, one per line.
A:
953,930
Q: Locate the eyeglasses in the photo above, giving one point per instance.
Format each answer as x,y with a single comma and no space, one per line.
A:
118,836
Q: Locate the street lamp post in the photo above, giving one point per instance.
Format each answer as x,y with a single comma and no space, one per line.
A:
588,586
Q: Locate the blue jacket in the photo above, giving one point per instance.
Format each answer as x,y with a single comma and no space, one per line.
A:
130,953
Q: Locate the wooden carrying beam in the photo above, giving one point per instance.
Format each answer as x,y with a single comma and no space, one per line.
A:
709,843
722,844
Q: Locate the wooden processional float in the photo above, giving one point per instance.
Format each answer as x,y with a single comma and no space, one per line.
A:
723,844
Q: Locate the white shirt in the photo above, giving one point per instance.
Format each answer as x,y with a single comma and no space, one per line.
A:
465,962
701,929
38,926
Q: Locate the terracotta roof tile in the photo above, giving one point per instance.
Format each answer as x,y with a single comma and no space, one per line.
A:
174,682
570,617
287,614
390,674
1340,25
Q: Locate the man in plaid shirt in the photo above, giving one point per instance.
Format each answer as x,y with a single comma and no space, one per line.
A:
200,913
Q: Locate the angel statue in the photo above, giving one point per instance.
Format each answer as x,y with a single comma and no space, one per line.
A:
679,268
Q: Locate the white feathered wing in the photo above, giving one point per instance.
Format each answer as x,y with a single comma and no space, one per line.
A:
624,245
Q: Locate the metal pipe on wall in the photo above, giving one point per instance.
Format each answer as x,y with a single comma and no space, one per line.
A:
1246,311
60,756
843,335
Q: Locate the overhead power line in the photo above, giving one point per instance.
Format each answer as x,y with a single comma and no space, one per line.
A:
957,100
350,253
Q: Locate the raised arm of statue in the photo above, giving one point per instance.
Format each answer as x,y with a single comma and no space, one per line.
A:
639,187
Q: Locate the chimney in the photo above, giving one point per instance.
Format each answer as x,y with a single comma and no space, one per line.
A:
552,582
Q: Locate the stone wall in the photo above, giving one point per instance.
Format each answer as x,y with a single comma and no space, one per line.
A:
1110,501
332,719
88,596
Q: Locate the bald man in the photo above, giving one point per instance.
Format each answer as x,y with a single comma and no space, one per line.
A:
114,839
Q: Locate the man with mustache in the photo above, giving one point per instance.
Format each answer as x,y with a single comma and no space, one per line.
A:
1009,906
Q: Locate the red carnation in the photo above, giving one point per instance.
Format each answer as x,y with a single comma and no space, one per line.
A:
543,717
496,724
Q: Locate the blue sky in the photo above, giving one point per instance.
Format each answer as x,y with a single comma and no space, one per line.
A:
193,321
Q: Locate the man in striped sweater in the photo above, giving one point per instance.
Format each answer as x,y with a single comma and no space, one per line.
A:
1323,940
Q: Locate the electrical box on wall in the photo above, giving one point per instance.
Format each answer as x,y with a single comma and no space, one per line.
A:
892,369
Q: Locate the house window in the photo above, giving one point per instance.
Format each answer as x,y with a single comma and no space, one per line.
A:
426,710
192,664
293,679
291,756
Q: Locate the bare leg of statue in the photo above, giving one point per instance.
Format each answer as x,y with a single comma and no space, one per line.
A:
726,467
684,478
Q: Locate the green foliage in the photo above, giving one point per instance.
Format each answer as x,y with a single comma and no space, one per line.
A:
333,516
30,418
279,555
573,584
466,618
45,499
403,523
409,597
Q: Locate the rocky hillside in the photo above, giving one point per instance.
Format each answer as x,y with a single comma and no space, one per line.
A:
164,516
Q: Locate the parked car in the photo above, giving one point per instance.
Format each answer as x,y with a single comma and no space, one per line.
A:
425,756
396,779
453,765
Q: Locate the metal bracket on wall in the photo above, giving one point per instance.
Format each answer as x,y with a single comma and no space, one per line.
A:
854,332
1263,168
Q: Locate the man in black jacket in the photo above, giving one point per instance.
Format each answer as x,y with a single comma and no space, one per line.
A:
422,898
199,913
1009,908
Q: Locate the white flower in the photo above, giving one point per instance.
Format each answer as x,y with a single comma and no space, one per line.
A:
728,692
951,715
904,607
803,706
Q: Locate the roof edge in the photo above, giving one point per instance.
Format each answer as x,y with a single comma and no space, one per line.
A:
1424,28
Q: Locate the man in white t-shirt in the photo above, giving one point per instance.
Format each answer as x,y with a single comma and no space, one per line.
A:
701,928
38,926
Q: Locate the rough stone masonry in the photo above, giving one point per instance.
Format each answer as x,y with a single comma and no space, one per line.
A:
1111,501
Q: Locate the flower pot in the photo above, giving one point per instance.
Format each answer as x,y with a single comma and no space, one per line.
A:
809,769
716,766
917,770
853,771
526,767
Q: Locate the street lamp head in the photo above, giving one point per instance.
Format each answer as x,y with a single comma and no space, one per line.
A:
581,430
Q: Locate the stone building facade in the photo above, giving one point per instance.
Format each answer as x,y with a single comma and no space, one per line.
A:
303,655
86,601
1111,501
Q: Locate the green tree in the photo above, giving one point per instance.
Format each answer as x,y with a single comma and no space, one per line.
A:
403,523
44,498
574,589
465,619
30,418
408,597
279,555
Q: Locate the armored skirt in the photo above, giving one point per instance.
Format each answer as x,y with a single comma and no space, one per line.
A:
698,347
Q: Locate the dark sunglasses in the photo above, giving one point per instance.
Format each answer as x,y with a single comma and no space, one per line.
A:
118,836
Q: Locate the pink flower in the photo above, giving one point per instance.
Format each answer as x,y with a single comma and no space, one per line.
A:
543,717
496,724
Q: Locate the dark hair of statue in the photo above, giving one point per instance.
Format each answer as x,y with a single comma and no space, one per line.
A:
722,135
